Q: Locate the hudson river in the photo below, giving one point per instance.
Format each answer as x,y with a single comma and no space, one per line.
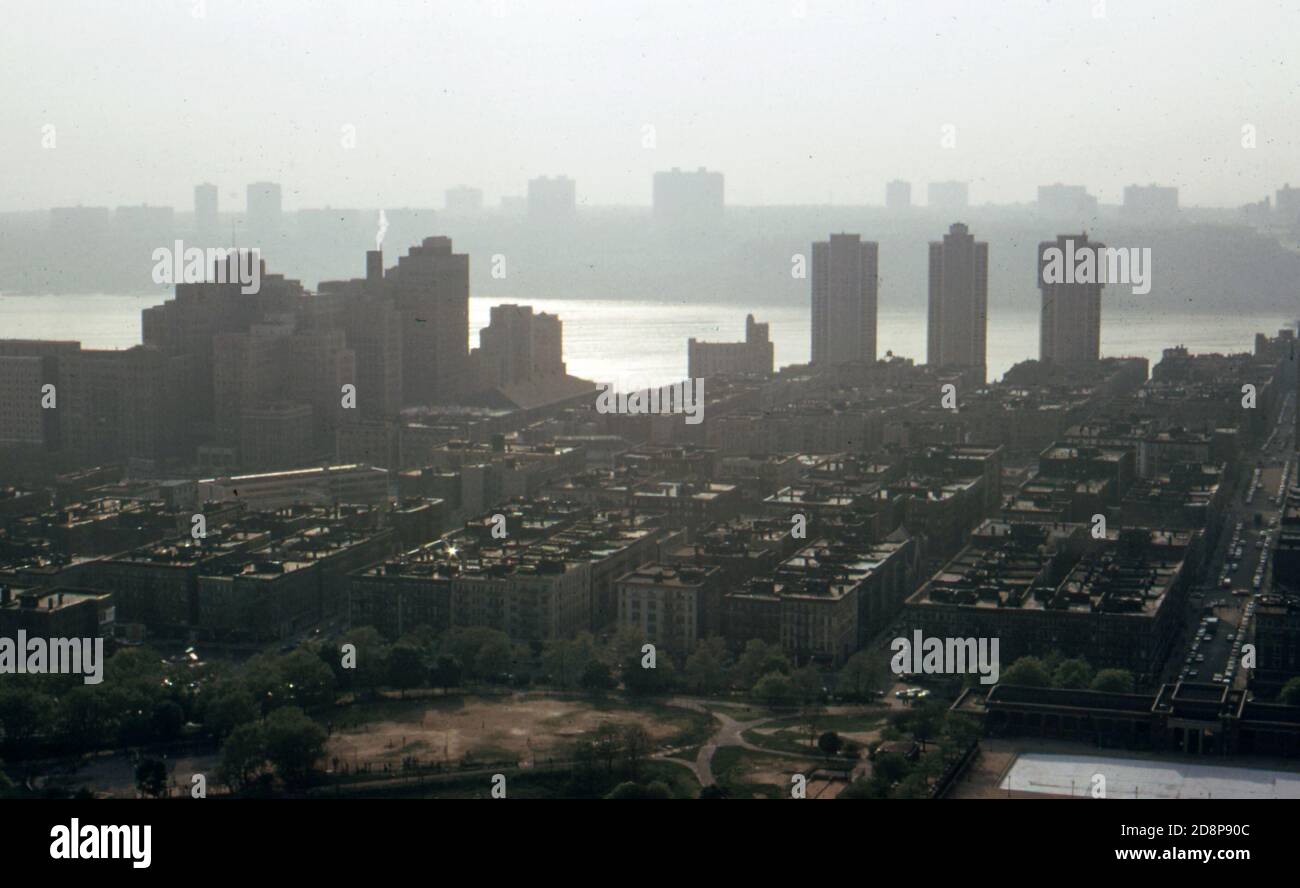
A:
645,343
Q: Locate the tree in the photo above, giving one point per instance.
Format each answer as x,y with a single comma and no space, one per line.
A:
151,777
658,789
1029,672
242,755
926,720
775,689
405,667
135,725
261,675
706,667
915,785
862,673
466,643
640,680
808,683
586,778
596,677
1073,674
1115,681
559,663
959,732
294,743
521,664
757,660
1290,694
445,672
135,664
713,791
630,790
309,683
231,706
628,650
607,744
370,669
25,714
862,788
889,768
637,747
86,717
494,657
422,636
830,743
566,661
625,645
168,720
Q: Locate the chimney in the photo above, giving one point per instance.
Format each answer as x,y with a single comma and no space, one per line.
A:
374,269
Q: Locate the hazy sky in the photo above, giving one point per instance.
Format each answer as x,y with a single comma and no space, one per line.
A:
796,102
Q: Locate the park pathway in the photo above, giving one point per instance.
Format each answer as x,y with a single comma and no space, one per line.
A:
728,734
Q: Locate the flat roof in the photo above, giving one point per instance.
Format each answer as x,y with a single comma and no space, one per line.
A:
1129,778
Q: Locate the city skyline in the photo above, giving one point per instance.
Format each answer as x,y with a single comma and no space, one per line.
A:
1148,201
760,399
661,72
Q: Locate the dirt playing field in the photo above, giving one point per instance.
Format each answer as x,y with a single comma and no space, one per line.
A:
518,728
825,789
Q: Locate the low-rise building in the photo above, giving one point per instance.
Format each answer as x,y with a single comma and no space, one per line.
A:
665,603
753,356
809,605
57,612
1040,589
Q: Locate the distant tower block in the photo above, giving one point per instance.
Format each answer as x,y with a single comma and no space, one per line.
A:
844,299
1070,326
956,335
898,195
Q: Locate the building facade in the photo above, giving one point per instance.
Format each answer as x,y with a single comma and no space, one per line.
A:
957,330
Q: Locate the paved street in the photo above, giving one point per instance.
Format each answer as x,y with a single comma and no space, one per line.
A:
1246,531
